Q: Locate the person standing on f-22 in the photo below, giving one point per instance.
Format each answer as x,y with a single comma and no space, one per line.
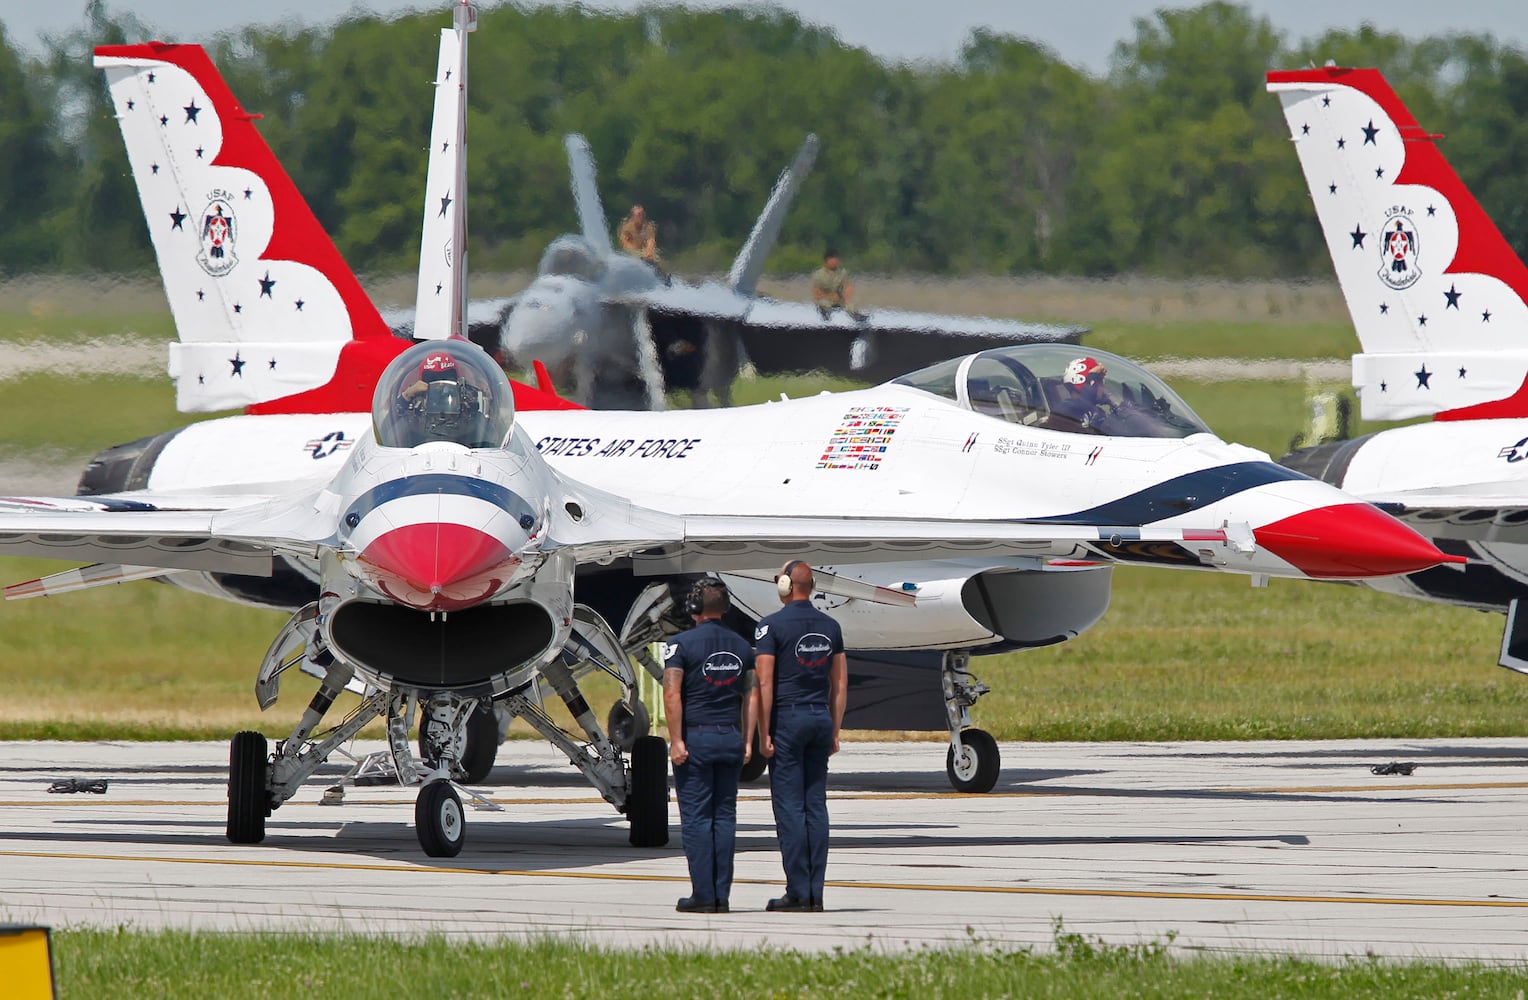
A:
803,676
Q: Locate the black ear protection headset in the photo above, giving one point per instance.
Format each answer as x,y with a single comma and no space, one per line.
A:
783,582
695,600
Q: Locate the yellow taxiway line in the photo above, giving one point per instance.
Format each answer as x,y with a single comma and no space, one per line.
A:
102,800
1028,890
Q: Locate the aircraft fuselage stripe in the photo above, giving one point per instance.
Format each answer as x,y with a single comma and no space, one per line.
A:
432,483
1182,495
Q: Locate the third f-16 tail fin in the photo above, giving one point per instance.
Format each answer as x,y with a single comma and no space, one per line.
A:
269,315
1438,298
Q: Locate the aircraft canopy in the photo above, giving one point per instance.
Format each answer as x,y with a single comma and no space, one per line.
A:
1062,387
443,390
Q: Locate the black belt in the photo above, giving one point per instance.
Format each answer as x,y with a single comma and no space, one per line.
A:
808,707
713,727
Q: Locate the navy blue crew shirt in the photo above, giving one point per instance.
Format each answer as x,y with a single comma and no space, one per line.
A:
715,661
803,642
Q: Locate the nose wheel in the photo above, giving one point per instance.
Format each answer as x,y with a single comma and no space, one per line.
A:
439,820
975,768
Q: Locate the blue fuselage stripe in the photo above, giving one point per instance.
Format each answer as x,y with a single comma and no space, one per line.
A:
1181,495
439,483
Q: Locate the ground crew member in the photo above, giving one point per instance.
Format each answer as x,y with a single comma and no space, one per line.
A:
709,699
831,287
639,235
803,687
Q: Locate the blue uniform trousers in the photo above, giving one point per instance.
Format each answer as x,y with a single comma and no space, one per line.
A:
706,787
798,790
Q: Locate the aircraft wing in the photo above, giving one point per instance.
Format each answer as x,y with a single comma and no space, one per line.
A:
149,531
1485,512
660,543
884,344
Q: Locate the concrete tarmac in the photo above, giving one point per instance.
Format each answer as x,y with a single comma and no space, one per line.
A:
1226,847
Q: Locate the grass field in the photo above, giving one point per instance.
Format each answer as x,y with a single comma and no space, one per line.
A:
263,966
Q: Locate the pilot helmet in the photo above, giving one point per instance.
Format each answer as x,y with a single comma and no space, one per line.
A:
1081,371
439,367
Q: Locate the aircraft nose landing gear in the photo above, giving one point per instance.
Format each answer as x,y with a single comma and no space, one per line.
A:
439,818
973,762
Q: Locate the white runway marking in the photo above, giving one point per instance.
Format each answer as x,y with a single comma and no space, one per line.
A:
1231,846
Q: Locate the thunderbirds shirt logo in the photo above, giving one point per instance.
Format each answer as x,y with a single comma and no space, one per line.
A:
721,669
1398,251
813,650
218,235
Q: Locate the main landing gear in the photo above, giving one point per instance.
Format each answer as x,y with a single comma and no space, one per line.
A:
458,740
973,761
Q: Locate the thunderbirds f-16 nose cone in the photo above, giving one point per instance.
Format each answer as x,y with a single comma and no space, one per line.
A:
438,566
1350,542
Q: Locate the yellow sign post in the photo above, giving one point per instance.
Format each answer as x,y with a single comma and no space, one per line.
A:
26,962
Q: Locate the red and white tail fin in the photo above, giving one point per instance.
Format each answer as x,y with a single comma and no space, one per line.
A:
1438,298
269,315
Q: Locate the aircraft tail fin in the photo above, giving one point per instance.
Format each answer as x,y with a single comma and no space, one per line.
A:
268,314
586,194
1438,298
749,265
440,305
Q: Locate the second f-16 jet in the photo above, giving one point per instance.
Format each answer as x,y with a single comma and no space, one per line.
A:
1440,304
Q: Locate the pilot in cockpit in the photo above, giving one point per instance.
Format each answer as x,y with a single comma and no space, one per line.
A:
1083,397
440,398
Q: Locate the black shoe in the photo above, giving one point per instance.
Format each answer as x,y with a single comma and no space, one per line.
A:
690,904
814,906
722,907
788,904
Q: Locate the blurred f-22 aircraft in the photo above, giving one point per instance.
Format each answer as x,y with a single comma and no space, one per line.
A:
638,333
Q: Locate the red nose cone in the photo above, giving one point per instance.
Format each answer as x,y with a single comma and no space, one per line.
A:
1349,542
438,566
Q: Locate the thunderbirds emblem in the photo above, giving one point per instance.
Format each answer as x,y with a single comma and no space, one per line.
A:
1398,251
218,234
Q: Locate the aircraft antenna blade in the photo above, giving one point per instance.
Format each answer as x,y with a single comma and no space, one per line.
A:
749,265
440,302
586,194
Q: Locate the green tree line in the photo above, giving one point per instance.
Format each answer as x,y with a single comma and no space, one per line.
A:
1007,160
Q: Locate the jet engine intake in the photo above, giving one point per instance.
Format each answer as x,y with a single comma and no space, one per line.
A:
456,650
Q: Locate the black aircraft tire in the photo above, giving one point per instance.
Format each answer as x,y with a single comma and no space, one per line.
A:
482,748
440,821
981,766
647,801
757,764
625,727
249,801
